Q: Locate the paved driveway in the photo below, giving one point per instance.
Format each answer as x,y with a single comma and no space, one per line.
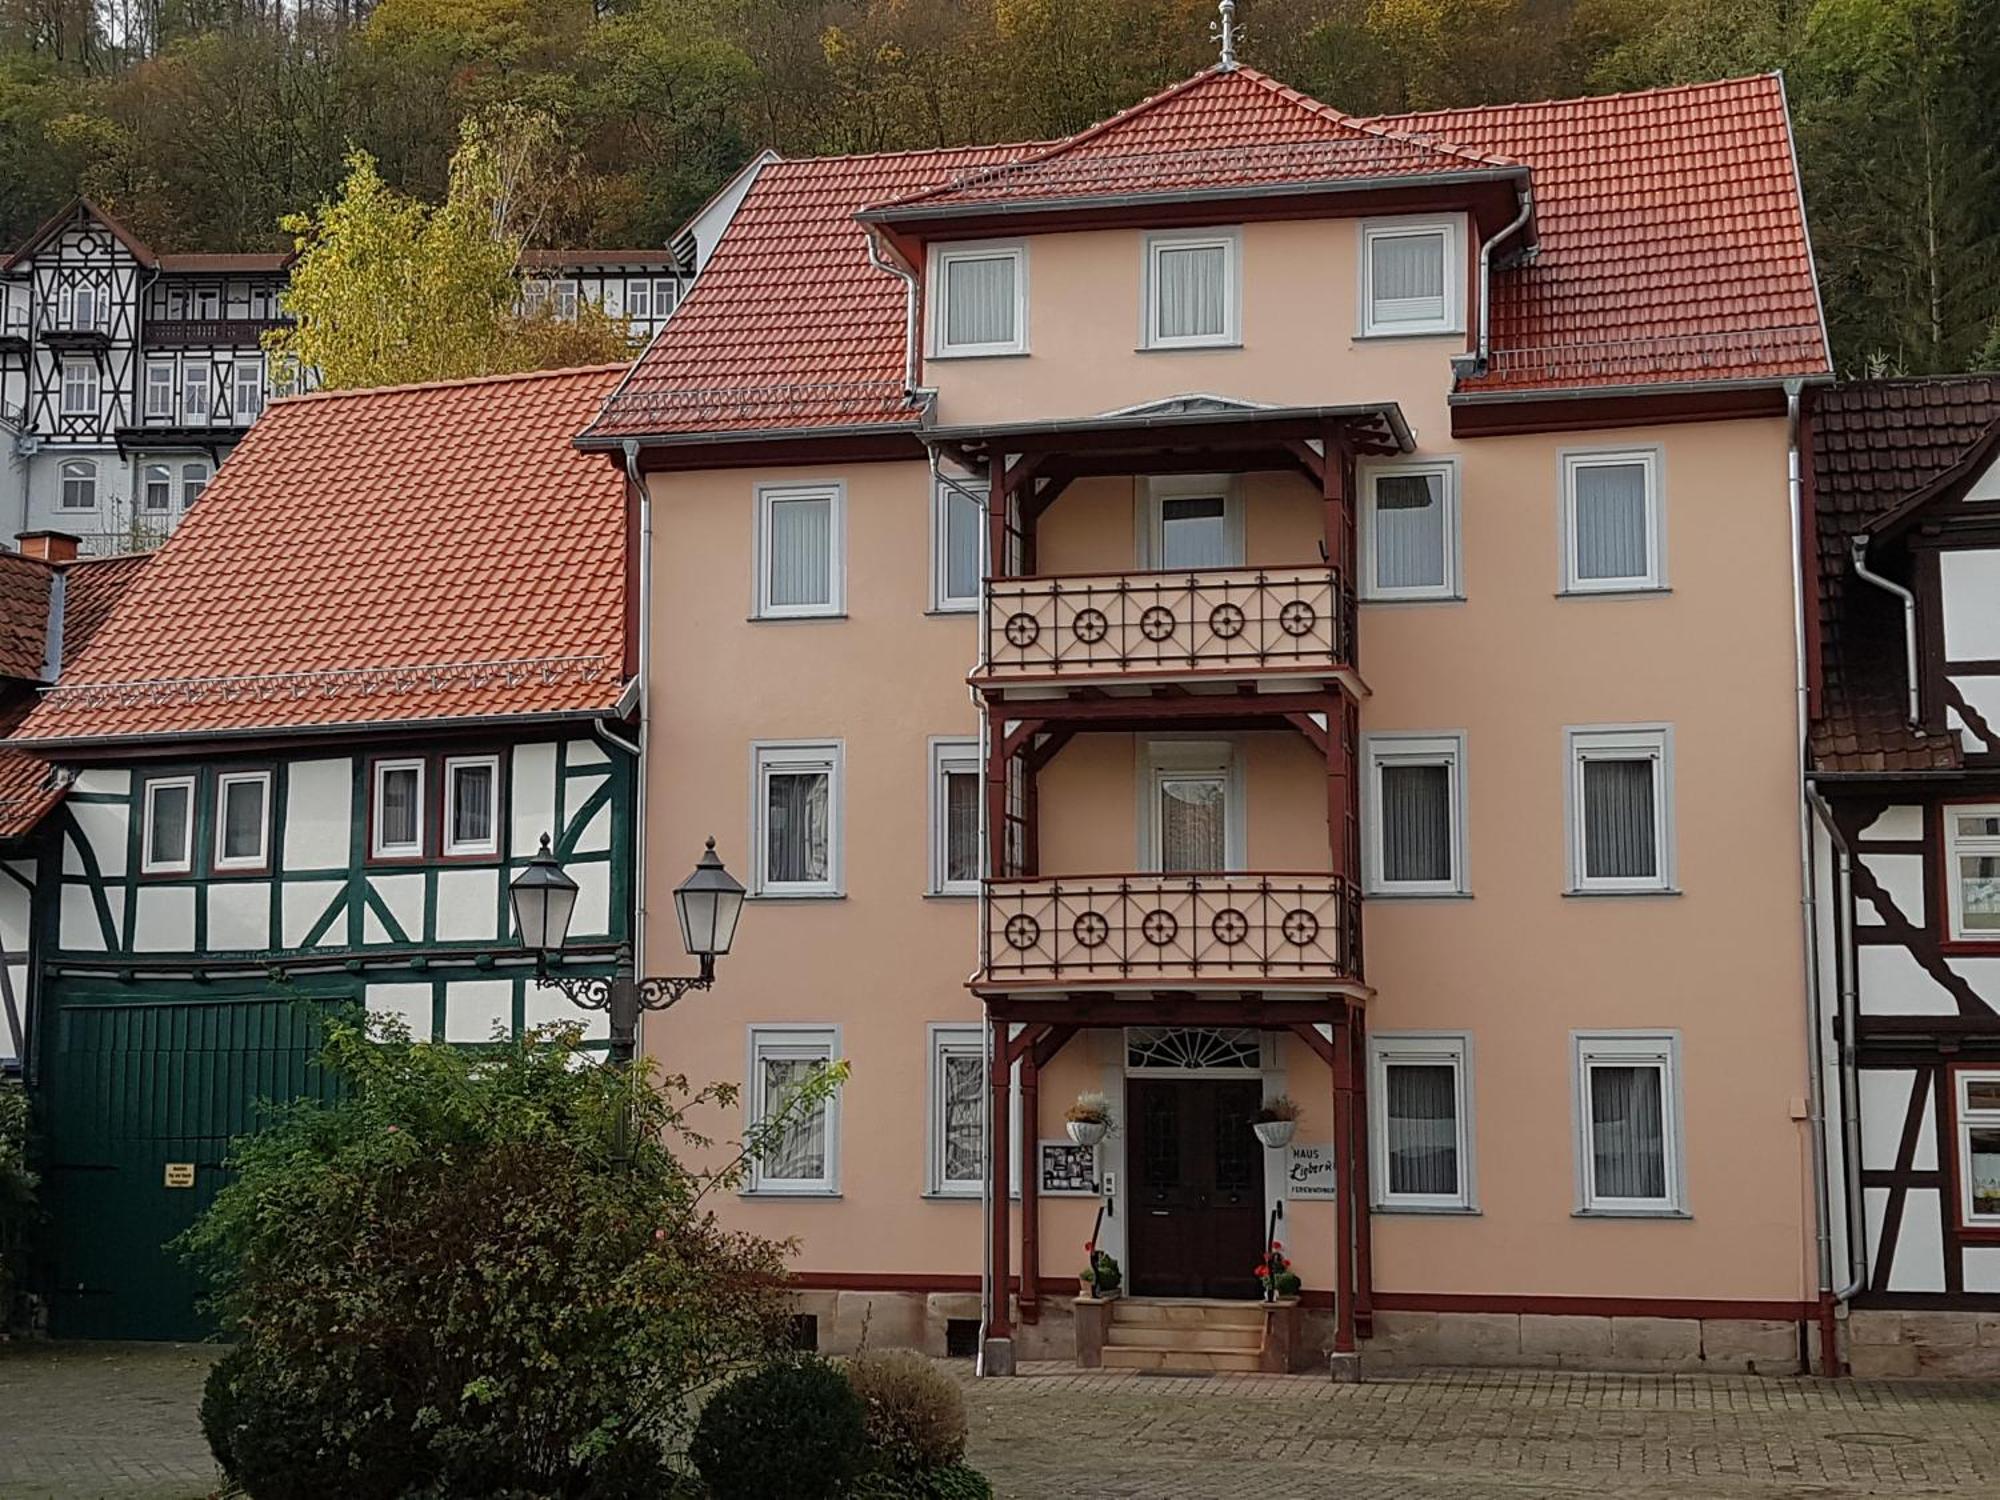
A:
117,1422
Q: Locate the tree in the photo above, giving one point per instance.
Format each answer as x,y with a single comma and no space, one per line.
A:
480,1272
388,289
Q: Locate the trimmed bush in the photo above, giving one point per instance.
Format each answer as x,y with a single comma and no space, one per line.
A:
792,1429
282,1439
17,1195
913,1412
953,1482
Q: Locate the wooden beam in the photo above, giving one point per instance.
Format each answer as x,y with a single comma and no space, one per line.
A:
999,1320
1304,724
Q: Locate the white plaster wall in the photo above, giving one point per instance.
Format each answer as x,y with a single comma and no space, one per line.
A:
1885,1102
1970,581
409,1002
103,827
403,896
545,1005
1894,984
76,921
319,814
239,916
163,919
99,781
1919,1263
533,794
593,900
304,902
1902,880
1982,696
474,1007
467,904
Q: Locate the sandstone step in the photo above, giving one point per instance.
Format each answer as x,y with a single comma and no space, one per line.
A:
1145,1336
1182,1361
1143,1312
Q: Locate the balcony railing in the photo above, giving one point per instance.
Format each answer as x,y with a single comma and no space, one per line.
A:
1287,620
1184,931
238,331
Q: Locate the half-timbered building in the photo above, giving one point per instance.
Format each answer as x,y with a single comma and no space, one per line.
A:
299,779
1103,580
128,375
1904,483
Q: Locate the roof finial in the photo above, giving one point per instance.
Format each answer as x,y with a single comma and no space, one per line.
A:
1224,31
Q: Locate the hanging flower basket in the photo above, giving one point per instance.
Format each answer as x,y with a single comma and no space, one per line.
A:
1087,1132
1275,1133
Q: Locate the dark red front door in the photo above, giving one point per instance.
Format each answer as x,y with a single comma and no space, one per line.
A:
1197,1200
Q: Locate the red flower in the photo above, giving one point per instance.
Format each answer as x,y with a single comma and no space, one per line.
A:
1090,1247
1277,1245
1263,1270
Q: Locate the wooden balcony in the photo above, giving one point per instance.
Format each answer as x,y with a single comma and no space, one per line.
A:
237,332
1232,624
1171,932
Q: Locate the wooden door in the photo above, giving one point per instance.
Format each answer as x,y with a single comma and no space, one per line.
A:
1197,1201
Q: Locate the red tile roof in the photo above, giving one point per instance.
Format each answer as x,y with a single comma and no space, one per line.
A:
1672,248
1673,239
91,586
240,262
1875,443
412,554
24,616
1222,130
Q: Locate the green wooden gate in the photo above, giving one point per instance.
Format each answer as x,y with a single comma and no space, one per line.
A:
143,1088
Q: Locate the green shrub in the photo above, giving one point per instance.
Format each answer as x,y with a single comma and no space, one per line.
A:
279,1438
953,1482
913,1412
17,1194
792,1429
504,1238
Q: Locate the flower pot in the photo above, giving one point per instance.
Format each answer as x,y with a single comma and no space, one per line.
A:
1086,1132
1275,1133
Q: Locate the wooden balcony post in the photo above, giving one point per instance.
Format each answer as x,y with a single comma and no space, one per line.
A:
1343,1201
996,518
999,1323
996,793
1340,788
1031,1207
1364,1224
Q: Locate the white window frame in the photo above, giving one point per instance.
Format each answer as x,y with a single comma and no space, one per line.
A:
565,298
150,860
972,487
942,258
1167,759
223,783
86,371
197,376
961,1040
1624,1049
835,492
1451,228
634,290
949,755
1451,1049
160,386
1955,845
1964,1119
666,297
253,387
1158,489
76,471
1621,742
454,847
196,477
150,474
1230,243
377,847
812,1043
1370,475
769,757
1652,461
1424,748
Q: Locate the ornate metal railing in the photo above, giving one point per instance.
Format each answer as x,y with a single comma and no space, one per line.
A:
1218,619
210,330
1179,930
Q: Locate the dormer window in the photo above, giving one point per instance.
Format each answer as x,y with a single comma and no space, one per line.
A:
979,300
1193,290
1410,279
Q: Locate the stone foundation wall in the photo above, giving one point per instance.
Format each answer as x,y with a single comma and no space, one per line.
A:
852,1321
1414,1340
1878,1342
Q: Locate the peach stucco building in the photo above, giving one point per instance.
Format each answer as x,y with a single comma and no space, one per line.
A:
1248,601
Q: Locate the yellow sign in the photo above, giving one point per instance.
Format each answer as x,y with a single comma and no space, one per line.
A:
180,1174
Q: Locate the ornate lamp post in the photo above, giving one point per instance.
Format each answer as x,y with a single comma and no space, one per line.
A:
708,903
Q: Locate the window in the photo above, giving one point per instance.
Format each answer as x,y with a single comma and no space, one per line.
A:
800,567
1410,275
1976,1102
1409,531
156,490
1972,871
194,479
79,388
565,301
249,389
79,484
1415,815
1193,291
194,392
1191,822
666,296
80,308
979,300
167,838
639,301
805,1156
1421,1094
1621,809
159,390
534,298
958,532
958,1112
1612,536
242,820
208,303
398,831
1628,1117
471,805
955,789
795,843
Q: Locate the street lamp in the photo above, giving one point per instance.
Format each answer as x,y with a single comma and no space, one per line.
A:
708,903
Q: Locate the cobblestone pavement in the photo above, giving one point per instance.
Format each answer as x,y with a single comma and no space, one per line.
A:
117,1422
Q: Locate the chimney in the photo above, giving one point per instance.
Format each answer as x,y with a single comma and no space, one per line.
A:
48,546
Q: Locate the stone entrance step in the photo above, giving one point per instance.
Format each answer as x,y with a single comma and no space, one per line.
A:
1197,1336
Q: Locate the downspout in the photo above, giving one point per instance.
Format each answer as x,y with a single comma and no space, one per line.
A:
1486,276
908,277
1809,891
645,662
1859,545
1846,981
